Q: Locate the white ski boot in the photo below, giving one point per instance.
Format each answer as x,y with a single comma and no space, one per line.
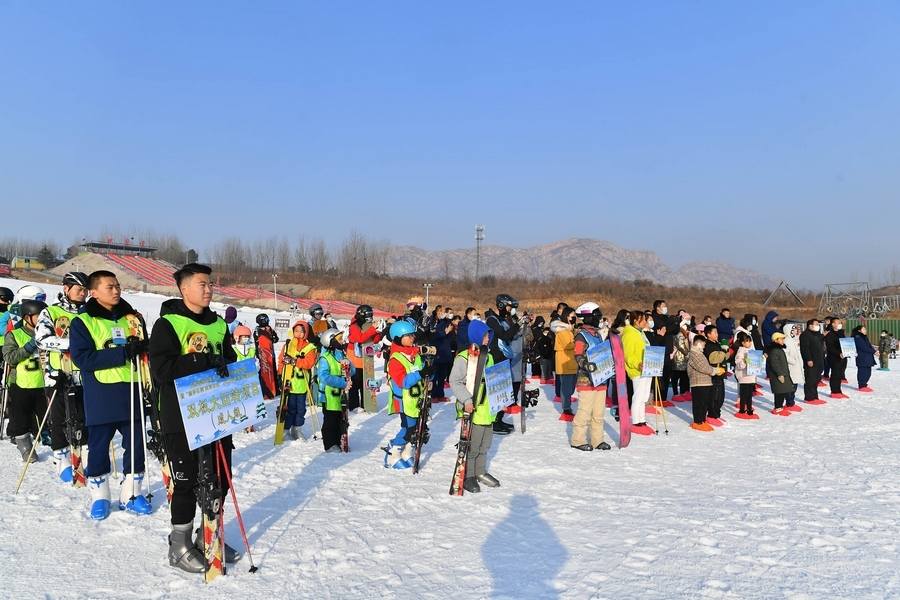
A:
99,497
63,464
133,487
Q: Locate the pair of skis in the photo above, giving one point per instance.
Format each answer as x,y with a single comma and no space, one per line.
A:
474,375
422,435
345,410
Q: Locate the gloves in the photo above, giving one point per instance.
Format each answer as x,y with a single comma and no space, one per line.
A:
134,347
217,362
426,371
781,378
720,371
30,346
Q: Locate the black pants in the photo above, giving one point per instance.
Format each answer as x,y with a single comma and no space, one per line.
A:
681,383
26,409
700,402
331,427
354,395
716,399
664,380
779,400
441,372
745,392
59,434
185,467
838,367
812,375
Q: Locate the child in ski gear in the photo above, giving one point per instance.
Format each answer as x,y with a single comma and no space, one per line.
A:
591,398
104,345
746,383
52,336
482,433
865,358
885,349
701,373
27,403
566,368
231,320
362,331
244,347
780,379
298,357
175,352
329,370
408,380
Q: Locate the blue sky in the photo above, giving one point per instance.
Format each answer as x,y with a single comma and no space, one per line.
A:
761,134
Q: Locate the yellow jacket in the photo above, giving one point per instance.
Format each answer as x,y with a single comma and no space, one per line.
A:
565,351
633,344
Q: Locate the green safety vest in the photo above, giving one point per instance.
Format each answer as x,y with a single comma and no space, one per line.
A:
482,414
29,375
332,394
411,396
101,333
61,319
251,352
195,337
299,377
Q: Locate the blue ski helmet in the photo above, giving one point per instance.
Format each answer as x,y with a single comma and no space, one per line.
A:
401,328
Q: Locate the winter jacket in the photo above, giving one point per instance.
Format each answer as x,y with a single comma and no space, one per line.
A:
725,327
681,347
13,354
700,372
794,358
865,351
356,338
506,334
884,344
718,358
443,341
634,342
462,334
769,327
584,381
778,367
741,360
812,348
168,363
103,402
564,345
833,344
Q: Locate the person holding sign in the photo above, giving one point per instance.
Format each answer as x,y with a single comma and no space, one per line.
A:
836,359
634,342
780,380
175,352
591,388
812,351
700,373
104,347
746,382
482,417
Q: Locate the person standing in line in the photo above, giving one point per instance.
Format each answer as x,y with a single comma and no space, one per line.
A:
812,351
700,373
780,374
836,357
591,398
884,350
865,357
566,367
634,343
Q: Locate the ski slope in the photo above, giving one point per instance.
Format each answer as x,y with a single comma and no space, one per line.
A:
798,507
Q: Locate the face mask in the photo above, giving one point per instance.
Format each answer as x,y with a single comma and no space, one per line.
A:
700,347
839,326
883,335
754,321
512,311
605,325
665,310
449,316
628,321
685,324
476,318
650,323
814,328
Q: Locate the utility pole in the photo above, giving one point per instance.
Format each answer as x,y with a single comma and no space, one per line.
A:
479,236
275,292
427,287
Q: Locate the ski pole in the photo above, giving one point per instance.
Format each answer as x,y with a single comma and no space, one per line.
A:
34,442
131,410
313,412
237,510
112,451
5,396
144,437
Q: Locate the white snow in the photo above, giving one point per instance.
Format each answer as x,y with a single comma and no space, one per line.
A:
798,507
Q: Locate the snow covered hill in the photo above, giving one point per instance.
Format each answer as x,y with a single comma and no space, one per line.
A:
798,507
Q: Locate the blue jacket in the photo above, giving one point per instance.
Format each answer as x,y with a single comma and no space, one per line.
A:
443,342
725,327
323,372
768,327
865,351
103,402
462,334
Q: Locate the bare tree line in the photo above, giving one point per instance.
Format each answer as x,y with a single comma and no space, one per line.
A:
356,255
11,247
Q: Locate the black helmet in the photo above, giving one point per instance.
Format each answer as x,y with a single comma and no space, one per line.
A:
31,307
262,320
316,311
75,278
504,300
364,313
6,294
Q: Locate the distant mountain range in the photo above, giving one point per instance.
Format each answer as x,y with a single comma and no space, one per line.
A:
570,258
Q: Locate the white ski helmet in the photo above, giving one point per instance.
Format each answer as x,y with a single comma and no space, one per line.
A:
31,292
330,335
587,308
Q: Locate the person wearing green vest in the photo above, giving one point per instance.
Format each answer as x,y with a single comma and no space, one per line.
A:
244,347
52,335
482,417
27,403
104,345
298,357
188,338
331,386
408,381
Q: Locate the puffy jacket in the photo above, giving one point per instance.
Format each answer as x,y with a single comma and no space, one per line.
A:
794,358
769,327
778,367
812,348
565,348
634,342
865,351
725,327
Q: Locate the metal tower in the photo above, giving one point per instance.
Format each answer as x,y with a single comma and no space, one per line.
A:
479,236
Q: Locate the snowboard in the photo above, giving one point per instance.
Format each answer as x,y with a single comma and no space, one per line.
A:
371,385
615,343
281,412
265,354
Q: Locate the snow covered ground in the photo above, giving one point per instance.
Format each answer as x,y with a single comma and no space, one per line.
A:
798,507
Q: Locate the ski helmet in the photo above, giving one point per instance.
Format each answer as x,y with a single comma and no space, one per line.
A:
331,338
31,292
590,313
6,294
31,307
504,300
241,331
262,319
364,313
401,328
316,311
75,278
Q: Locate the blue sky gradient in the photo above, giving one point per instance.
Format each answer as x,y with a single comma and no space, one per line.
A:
761,134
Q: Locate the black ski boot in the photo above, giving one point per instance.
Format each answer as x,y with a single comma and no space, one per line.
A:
471,485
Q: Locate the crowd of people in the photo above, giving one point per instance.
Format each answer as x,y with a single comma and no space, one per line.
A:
76,371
